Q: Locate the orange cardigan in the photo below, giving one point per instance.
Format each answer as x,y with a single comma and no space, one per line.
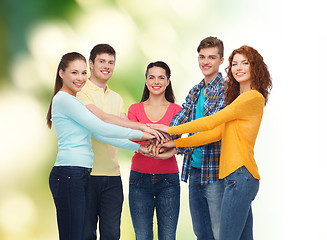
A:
237,126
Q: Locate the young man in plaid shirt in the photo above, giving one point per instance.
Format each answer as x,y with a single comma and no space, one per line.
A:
201,165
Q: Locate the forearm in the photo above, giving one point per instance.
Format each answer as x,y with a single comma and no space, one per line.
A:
120,143
110,118
200,139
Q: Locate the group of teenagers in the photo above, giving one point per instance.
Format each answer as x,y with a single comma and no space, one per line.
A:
222,117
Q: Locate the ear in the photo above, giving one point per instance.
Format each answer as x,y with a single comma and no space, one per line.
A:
61,73
91,64
168,81
221,61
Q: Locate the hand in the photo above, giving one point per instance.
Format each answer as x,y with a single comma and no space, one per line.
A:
156,149
147,136
144,150
169,144
161,137
160,127
167,154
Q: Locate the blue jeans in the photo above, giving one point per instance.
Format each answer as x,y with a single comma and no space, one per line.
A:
154,191
236,212
67,185
205,206
104,201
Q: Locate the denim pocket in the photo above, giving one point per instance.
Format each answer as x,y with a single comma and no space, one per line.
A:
172,179
54,186
252,186
134,179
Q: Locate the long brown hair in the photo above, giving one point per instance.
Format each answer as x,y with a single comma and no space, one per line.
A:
261,80
169,94
64,62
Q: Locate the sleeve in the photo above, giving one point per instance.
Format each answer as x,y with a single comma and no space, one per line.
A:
243,106
116,142
75,110
132,113
201,138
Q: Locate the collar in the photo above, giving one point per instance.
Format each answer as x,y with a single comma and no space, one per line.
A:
213,83
92,86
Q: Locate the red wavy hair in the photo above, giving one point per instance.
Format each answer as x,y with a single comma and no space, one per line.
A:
261,80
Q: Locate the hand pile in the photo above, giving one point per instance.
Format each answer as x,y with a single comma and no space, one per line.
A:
160,145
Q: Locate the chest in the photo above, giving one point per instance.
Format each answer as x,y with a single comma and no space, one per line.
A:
155,113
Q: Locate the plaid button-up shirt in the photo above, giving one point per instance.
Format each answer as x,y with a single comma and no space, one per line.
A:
214,102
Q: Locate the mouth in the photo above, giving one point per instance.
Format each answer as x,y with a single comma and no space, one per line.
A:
79,84
105,72
239,74
206,67
156,87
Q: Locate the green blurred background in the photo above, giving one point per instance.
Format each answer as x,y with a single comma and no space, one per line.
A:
35,34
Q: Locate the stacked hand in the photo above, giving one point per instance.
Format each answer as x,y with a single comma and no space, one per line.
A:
159,147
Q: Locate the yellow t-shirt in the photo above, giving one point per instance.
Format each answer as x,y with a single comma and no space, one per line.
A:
105,156
237,126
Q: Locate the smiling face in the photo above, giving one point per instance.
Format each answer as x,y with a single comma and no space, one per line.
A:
103,67
156,81
74,77
241,71
209,62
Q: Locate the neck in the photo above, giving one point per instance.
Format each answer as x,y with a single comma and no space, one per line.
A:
244,88
156,100
99,83
208,79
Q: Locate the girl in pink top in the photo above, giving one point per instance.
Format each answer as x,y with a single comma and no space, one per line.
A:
154,183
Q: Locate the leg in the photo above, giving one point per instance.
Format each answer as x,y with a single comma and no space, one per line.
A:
91,216
141,203
240,190
110,208
199,207
68,185
167,202
214,194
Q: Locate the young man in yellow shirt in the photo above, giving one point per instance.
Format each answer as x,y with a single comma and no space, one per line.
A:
104,190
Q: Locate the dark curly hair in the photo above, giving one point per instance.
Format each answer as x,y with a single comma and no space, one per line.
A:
261,80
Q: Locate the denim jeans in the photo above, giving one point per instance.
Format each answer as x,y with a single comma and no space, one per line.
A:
205,206
104,201
236,214
154,191
67,185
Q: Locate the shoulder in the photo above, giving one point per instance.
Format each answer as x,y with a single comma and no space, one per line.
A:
65,101
252,95
175,107
250,100
135,106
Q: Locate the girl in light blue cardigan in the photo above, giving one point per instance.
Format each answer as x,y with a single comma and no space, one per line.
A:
74,126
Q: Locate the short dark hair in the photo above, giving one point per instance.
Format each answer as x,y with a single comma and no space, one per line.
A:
102,48
169,94
212,42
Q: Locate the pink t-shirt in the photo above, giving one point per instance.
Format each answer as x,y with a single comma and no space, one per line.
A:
141,163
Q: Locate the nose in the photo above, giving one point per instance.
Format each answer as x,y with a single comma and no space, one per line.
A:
81,76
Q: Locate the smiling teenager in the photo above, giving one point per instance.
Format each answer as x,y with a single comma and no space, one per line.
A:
154,183
74,125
